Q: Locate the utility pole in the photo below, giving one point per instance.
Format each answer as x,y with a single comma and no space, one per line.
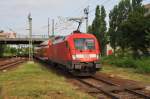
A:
30,38
48,28
53,27
86,12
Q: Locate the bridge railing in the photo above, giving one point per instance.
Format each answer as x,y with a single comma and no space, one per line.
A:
33,36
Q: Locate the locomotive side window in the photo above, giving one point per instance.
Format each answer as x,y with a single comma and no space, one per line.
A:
84,43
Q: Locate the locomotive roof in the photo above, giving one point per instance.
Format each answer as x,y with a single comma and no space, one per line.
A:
52,40
45,43
58,39
80,34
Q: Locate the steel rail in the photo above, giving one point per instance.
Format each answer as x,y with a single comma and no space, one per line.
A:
7,65
138,93
127,89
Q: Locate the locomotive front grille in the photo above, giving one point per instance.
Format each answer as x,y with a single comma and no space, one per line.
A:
82,65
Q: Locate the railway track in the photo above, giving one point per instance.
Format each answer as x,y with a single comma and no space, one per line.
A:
96,86
5,64
103,87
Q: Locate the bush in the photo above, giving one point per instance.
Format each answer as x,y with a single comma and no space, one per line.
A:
107,59
119,61
141,65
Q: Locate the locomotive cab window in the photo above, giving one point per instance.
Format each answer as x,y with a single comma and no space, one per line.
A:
84,43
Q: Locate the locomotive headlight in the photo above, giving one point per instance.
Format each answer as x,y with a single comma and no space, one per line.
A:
97,56
73,57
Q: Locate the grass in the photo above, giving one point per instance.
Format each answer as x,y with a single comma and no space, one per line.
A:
32,81
126,73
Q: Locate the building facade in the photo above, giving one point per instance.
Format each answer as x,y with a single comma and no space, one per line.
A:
147,6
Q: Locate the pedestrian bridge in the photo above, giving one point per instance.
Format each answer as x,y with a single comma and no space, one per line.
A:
24,39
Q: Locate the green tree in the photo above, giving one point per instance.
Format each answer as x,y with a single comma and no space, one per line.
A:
103,29
124,8
136,4
147,31
113,27
137,30
90,29
98,27
127,22
117,16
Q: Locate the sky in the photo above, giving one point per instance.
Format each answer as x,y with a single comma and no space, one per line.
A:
14,14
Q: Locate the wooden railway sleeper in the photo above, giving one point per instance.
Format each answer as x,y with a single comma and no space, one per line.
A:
101,89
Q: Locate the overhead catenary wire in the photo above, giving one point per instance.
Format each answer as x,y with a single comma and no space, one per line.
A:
93,9
63,23
106,1
88,4
81,7
102,3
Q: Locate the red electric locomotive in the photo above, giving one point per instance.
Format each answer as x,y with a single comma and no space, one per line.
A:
78,53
